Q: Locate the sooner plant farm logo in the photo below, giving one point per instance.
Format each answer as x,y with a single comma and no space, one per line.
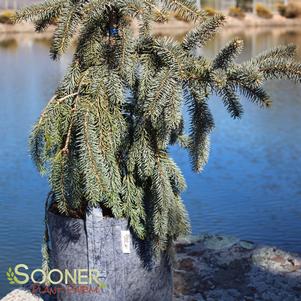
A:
80,281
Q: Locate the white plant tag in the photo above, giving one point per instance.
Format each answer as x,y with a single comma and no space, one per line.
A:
126,242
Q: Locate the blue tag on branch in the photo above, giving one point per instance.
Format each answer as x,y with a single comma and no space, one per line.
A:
113,31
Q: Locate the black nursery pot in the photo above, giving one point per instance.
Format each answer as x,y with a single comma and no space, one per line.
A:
105,245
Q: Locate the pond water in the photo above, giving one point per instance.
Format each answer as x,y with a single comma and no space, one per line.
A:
251,187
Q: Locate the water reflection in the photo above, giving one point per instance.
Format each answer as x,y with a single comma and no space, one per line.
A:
25,40
250,187
256,40
9,44
43,41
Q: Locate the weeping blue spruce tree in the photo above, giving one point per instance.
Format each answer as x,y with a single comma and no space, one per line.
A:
103,138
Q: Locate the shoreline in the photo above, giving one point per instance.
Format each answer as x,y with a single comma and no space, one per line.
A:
249,22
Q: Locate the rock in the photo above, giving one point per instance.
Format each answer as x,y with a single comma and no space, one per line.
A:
196,253
181,283
21,295
186,264
248,245
218,268
217,242
276,260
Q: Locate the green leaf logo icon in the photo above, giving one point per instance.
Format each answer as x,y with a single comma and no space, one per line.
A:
102,285
11,276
